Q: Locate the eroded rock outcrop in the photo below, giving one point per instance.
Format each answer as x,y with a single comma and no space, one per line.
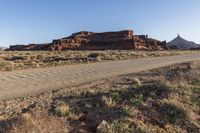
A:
121,40
30,47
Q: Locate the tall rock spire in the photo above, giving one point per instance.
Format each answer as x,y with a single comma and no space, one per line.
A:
181,43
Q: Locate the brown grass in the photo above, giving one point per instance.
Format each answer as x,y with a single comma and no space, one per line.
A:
40,122
24,60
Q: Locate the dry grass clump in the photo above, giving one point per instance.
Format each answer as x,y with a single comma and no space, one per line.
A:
107,101
62,110
137,83
37,121
6,66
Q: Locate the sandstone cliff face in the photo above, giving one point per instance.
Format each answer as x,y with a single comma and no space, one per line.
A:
121,40
108,40
145,43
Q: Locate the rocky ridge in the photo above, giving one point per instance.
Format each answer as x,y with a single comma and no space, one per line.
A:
84,40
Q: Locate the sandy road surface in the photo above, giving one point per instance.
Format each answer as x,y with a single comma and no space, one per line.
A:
27,82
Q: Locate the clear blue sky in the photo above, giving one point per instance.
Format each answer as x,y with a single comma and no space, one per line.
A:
38,21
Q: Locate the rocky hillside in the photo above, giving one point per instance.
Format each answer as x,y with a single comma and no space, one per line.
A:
182,44
121,40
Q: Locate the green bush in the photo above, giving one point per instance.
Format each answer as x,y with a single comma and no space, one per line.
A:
114,96
137,100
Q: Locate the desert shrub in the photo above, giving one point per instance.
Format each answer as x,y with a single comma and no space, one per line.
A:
195,98
114,95
155,90
173,114
196,81
5,65
196,90
178,116
111,99
96,56
125,126
39,57
62,110
137,100
136,82
14,58
35,122
107,101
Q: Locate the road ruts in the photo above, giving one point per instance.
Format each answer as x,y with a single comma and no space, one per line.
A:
28,82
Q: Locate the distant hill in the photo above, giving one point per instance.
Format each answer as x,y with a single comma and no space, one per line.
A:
182,44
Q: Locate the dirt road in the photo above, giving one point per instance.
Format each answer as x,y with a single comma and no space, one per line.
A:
27,82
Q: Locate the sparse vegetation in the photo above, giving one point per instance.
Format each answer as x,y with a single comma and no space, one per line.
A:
5,66
157,101
137,100
173,114
18,60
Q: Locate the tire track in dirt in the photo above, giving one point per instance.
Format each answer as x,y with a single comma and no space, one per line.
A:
28,82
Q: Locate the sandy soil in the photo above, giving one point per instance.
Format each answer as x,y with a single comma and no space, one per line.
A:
25,82
20,60
158,101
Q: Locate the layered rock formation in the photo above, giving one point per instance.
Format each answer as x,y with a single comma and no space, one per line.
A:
121,40
109,40
30,47
145,43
